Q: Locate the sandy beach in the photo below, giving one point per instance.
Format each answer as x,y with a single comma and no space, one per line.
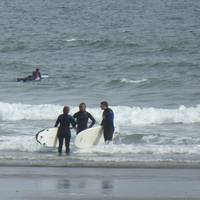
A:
98,183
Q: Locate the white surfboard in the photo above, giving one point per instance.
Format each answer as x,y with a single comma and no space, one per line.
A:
48,137
89,137
85,139
44,76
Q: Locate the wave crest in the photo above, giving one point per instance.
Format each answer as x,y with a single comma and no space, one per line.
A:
124,80
124,115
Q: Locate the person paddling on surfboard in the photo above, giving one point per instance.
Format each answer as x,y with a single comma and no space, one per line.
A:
82,118
65,120
36,76
107,122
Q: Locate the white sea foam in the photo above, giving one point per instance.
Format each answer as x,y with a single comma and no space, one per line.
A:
29,144
9,112
143,149
124,80
71,40
19,143
124,115
140,116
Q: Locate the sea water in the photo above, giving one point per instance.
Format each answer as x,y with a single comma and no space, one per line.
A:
140,56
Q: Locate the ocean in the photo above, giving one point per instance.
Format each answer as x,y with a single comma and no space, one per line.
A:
140,56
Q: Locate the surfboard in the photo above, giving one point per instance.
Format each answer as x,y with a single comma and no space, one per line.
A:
44,76
48,137
85,139
29,78
89,137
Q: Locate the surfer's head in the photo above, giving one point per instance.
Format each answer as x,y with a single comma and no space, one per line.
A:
66,109
82,106
104,105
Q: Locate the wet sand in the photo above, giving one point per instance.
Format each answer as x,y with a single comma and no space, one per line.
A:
42,183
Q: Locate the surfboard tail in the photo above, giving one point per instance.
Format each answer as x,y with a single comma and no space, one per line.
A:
55,140
47,137
37,135
89,137
98,137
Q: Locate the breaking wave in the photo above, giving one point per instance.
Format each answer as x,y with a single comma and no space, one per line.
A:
124,115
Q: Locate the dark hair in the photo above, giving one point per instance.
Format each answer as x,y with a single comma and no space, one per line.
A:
104,103
82,104
66,109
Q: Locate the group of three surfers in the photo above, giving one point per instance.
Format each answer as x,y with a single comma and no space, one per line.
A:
79,121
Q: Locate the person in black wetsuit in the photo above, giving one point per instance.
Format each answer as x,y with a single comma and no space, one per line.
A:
36,75
107,121
82,118
64,129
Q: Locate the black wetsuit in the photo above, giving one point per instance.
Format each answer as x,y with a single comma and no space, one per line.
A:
35,76
28,78
82,120
64,130
108,124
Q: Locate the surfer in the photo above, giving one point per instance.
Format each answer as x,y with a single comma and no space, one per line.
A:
82,117
36,76
107,121
64,129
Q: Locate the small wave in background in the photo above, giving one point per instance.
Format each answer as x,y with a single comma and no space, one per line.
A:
124,80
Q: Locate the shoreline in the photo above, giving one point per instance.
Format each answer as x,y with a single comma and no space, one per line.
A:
98,183
90,164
